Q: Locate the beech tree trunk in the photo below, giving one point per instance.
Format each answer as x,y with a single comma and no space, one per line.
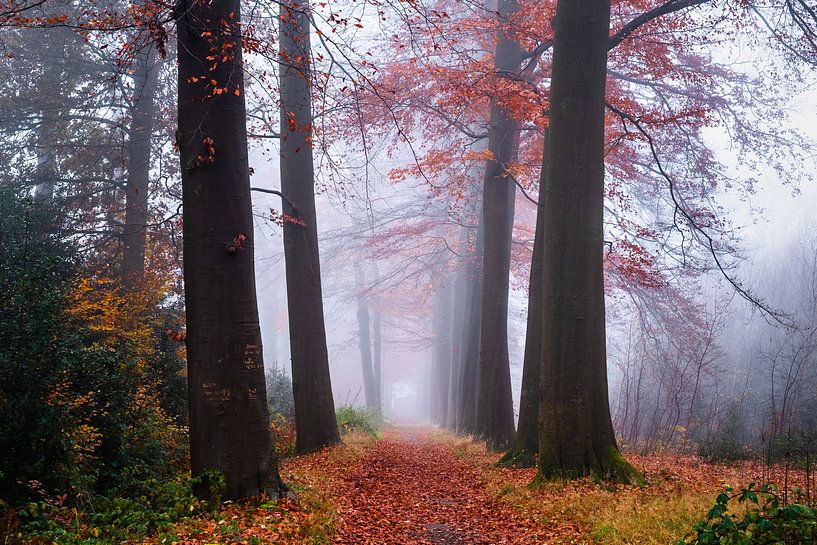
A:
365,343
143,111
467,421
229,422
494,406
576,431
526,444
441,352
315,422
377,342
458,318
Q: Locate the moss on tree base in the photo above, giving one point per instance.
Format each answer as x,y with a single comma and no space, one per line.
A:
518,459
611,467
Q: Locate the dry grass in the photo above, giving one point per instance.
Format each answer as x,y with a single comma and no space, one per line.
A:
679,492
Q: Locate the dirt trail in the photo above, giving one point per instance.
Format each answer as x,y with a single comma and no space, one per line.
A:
409,489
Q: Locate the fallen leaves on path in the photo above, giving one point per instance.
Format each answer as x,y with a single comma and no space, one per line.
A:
408,488
429,487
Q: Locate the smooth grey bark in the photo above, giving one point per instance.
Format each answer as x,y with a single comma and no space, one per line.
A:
315,422
145,80
365,344
576,431
45,175
377,334
46,171
467,420
229,422
458,318
526,445
441,352
494,405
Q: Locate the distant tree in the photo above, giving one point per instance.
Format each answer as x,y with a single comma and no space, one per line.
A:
576,432
146,68
315,422
229,420
370,384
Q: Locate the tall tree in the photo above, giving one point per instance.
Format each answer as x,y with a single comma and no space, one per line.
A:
576,431
526,445
142,116
365,342
441,352
469,352
229,422
377,347
458,317
315,422
494,404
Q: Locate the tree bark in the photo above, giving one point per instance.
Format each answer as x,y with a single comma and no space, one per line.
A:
471,332
365,343
576,431
229,422
526,444
137,189
458,318
378,349
315,422
441,352
494,406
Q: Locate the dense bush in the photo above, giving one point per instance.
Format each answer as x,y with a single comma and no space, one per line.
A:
79,412
353,419
116,519
759,519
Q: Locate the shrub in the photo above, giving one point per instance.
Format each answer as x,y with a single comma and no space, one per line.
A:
283,431
279,393
354,419
81,413
114,519
760,519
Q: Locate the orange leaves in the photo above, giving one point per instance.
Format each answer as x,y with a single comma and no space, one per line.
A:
282,218
411,489
113,315
209,155
238,243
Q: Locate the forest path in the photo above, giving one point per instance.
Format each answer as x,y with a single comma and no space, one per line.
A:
408,488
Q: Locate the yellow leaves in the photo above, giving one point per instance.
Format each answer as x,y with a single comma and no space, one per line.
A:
116,317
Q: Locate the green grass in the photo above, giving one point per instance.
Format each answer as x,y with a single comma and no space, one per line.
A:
354,419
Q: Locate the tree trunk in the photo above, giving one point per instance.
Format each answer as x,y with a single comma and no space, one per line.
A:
145,79
378,350
229,423
526,445
315,422
365,343
576,431
494,405
470,353
441,352
458,318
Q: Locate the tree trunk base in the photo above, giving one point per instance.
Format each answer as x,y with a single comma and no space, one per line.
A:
611,466
518,459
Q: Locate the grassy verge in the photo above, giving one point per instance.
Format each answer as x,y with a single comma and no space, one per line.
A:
677,495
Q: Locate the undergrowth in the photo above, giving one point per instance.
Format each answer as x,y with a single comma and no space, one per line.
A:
754,516
353,419
110,519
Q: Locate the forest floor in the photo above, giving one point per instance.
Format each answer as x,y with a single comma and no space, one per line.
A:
425,486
